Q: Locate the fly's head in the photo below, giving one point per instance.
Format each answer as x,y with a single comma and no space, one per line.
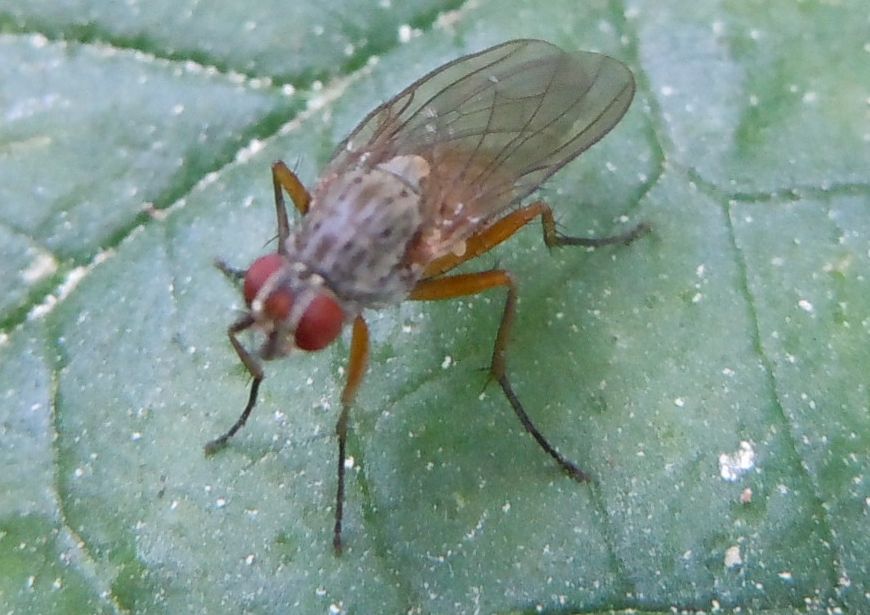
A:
291,305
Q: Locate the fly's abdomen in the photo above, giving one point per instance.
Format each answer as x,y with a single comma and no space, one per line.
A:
360,226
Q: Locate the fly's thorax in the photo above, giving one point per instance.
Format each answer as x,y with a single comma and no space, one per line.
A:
293,306
359,229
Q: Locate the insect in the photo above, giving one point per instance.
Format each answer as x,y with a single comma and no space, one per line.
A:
428,180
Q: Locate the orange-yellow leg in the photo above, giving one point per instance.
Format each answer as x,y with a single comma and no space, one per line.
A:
283,177
254,368
470,284
505,228
359,358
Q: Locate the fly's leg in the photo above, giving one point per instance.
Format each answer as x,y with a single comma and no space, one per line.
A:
470,284
234,274
508,225
554,239
256,371
433,287
359,358
284,178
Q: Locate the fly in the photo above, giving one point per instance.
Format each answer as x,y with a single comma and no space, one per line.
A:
428,180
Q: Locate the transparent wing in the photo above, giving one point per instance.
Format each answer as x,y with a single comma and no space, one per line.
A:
495,124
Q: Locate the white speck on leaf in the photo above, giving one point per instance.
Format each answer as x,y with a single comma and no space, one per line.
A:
406,33
733,466
43,265
248,152
733,557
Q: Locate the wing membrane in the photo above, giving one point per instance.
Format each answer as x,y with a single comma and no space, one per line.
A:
496,124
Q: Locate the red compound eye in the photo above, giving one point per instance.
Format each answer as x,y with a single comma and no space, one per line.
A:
260,271
279,302
320,324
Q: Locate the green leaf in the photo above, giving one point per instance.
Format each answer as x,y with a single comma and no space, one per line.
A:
135,147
